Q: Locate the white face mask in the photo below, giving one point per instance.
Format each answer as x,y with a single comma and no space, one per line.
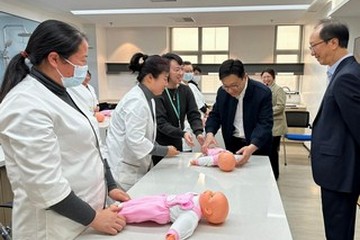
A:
77,78
188,76
197,79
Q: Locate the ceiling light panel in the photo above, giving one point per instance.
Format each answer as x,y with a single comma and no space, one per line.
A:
192,9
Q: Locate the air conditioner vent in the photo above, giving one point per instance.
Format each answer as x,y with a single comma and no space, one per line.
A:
184,19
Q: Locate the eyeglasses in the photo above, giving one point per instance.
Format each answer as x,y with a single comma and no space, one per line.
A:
311,47
232,86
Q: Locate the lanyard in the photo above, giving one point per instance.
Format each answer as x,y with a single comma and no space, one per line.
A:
177,108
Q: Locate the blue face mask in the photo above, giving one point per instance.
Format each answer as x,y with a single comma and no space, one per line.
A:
188,76
77,78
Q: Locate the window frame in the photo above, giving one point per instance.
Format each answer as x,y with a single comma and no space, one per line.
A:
298,52
200,52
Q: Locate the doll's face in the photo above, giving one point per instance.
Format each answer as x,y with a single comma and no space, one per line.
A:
214,206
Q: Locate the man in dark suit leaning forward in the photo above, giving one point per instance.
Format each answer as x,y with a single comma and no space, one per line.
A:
243,110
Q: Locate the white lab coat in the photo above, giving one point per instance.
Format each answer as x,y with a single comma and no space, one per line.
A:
85,97
130,138
199,97
200,102
50,149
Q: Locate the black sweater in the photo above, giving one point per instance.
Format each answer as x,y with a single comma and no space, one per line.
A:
170,129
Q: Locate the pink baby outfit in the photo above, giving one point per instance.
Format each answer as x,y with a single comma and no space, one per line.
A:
182,210
211,158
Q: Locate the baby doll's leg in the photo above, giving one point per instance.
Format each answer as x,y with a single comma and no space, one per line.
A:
204,161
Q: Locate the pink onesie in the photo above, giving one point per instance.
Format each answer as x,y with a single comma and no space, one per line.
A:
164,209
212,156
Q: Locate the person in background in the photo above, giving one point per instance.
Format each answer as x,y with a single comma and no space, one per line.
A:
280,125
85,96
130,139
59,179
199,98
174,105
335,144
189,79
243,110
197,75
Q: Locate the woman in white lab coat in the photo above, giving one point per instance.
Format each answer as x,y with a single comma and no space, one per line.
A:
85,96
131,135
52,156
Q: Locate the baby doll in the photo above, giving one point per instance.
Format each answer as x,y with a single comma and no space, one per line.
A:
184,211
220,157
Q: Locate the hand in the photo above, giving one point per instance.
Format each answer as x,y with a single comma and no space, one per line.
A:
172,151
170,237
204,119
193,162
109,221
209,140
200,139
246,152
208,110
119,195
188,139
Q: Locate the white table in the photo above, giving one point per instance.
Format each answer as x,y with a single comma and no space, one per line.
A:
256,210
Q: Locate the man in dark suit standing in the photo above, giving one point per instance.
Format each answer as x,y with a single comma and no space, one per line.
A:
335,146
243,110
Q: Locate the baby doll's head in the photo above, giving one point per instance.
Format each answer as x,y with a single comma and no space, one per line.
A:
226,161
99,116
214,206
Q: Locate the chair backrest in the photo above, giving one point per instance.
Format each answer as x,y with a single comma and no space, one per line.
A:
298,119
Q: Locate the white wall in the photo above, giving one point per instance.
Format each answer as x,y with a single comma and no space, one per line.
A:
121,44
252,44
101,60
353,24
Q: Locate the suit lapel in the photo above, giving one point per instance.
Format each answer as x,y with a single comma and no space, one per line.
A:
343,63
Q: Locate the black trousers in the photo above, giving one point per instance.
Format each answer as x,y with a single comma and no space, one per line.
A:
156,159
339,213
274,155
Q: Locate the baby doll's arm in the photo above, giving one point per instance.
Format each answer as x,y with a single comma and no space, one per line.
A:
208,161
184,226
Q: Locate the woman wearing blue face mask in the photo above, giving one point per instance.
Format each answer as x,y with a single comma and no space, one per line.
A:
193,80
52,155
